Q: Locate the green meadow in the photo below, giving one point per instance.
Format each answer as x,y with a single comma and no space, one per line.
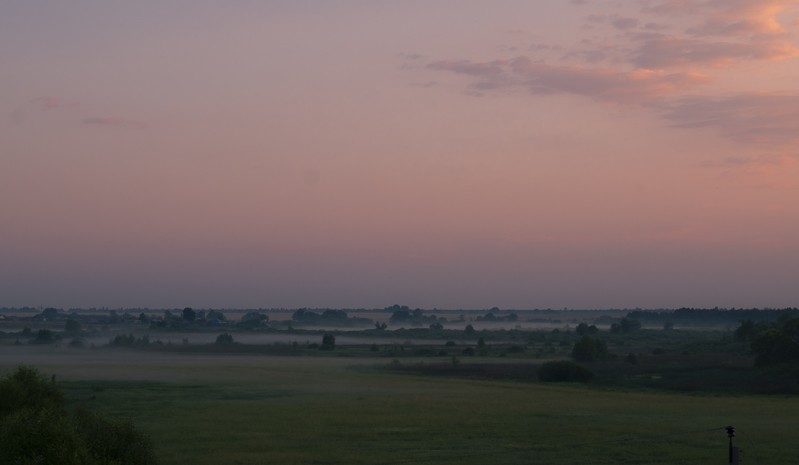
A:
247,409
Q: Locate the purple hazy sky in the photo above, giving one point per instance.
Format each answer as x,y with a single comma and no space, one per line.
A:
450,154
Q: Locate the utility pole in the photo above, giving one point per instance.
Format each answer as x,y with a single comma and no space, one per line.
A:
733,451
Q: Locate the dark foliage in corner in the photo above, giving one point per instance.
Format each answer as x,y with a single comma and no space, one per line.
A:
35,427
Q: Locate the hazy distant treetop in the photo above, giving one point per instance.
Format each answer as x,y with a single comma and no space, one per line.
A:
189,314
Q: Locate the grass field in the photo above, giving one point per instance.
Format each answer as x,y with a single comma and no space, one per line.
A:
234,409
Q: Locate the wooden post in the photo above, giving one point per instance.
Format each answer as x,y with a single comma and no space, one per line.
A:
733,451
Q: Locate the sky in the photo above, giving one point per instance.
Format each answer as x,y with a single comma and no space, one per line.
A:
437,153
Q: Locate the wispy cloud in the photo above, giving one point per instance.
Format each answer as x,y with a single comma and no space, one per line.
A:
113,122
624,23
48,103
604,84
619,22
51,103
763,119
731,162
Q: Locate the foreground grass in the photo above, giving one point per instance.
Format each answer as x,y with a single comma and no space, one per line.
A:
262,410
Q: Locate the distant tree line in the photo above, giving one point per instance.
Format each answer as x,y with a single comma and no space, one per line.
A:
492,317
711,317
328,317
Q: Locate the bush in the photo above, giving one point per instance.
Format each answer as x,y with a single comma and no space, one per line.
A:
564,371
40,435
328,341
113,441
224,339
27,389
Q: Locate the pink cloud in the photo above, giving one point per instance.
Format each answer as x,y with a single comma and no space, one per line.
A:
114,122
619,22
726,31
743,17
706,33
759,15
665,51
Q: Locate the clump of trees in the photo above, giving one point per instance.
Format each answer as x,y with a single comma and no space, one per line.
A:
777,344
254,320
492,316
188,317
224,339
36,428
129,340
584,330
402,314
589,349
626,325
44,336
749,330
